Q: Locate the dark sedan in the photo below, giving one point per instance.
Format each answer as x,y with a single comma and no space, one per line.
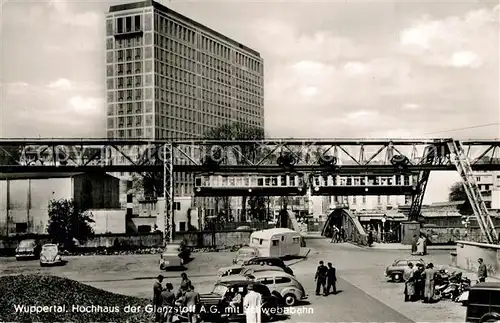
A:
28,249
269,261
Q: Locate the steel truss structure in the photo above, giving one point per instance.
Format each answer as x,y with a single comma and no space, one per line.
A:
271,156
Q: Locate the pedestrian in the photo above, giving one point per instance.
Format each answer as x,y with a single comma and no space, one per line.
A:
331,279
252,304
342,234
429,275
482,271
419,282
370,238
414,245
421,246
168,303
185,282
157,300
409,291
320,277
192,303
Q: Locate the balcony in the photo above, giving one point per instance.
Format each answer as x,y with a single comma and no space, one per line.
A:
127,33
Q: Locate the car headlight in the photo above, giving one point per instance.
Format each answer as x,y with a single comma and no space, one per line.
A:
44,258
58,258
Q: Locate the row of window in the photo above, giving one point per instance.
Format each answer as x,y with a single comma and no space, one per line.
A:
130,121
129,42
363,180
130,108
171,28
129,68
354,199
130,95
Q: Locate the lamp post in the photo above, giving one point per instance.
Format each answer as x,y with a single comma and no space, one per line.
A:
384,218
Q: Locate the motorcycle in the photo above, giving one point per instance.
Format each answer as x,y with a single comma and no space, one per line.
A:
463,297
451,285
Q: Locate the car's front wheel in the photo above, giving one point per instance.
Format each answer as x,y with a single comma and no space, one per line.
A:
290,299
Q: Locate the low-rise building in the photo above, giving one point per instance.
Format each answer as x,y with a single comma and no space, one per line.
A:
24,200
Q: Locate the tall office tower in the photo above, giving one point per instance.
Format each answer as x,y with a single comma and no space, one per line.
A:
168,77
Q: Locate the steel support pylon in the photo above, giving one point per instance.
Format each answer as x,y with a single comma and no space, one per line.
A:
422,180
473,193
168,191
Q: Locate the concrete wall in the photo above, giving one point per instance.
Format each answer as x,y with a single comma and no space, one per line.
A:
468,253
109,221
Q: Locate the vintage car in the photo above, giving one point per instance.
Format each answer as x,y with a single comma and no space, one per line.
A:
28,249
245,270
174,255
215,306
50,255
395,271
483,304
269,261
245,253
287,285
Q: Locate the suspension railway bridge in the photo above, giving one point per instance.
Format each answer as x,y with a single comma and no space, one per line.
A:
272,167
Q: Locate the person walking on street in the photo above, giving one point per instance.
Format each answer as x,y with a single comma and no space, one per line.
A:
252,304
409,282
168,303
192,302
331,279
482,271
157,300
320,277
421,246
429,275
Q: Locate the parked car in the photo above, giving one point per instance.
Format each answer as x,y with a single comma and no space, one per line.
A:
269,261
222,294
246,270
287,285
174,255
483,303
50,255
28,249
395,271
244,254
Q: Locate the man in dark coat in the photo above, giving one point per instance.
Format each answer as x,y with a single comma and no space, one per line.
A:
192,302
482,271
168,303
320,277
331,279
157,300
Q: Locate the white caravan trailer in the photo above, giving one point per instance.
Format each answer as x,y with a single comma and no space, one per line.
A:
279,242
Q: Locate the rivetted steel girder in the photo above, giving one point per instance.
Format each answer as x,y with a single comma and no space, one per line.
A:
348,156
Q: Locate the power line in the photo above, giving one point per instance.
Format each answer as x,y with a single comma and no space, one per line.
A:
465,128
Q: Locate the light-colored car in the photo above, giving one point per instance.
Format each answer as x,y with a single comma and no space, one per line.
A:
290,289
28,248
245,270
50,255
172,256
395,271
244,254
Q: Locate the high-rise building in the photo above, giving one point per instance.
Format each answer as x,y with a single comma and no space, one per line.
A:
168,76
489,185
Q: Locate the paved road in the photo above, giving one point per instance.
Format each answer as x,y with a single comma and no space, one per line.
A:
365,296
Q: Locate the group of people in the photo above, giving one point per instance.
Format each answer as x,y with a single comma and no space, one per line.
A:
419,283
166,301
326,279
338,235
418,246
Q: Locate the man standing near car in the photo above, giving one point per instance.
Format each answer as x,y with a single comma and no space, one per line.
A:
168,303
482,271
320,277
332,279
192,302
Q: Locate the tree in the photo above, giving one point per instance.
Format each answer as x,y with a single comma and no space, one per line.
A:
148,185
457,194
68,222
239,131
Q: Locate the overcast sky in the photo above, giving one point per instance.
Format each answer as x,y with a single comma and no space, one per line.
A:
332,68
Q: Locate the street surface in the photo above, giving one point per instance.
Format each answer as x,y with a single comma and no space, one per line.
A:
364,295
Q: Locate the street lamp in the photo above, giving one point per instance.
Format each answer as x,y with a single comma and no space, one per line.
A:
384,219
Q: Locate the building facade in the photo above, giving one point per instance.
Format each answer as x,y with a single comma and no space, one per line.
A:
489,185
170,77
24,200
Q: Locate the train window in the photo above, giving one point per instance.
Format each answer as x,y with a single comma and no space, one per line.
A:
376,181
283,180
390,181
197,181
406,180
231,181
292,180
260,181
362,181
356,181
398,180
224,181
349,181
274,181
246,181
267,181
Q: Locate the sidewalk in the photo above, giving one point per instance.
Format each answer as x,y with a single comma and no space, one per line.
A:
399,246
